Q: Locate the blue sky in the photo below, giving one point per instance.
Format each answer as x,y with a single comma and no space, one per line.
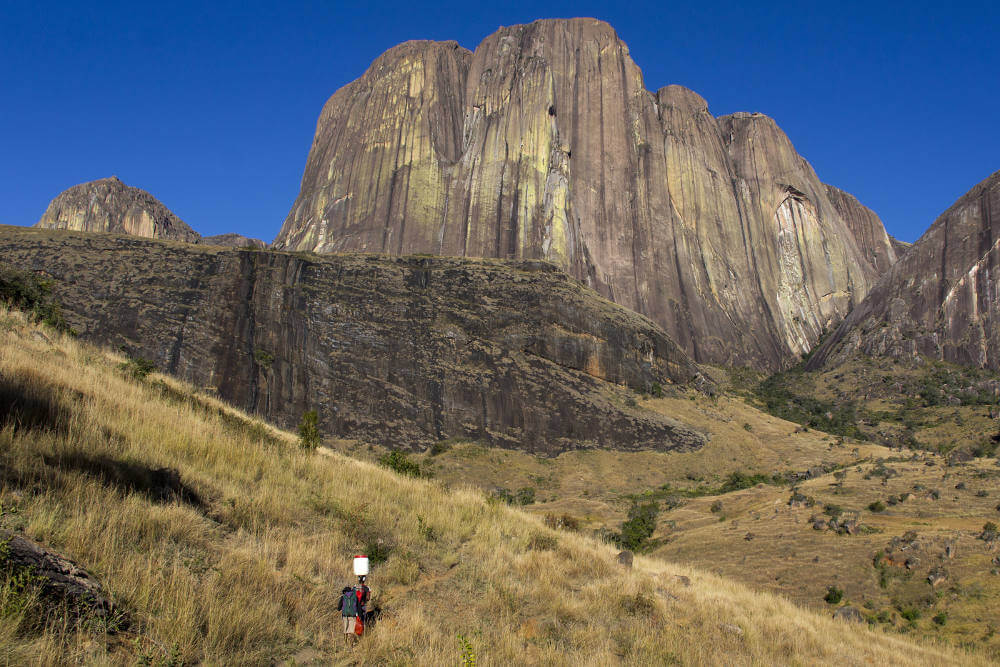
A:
212,106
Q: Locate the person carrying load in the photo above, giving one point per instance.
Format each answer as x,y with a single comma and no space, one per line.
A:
353,602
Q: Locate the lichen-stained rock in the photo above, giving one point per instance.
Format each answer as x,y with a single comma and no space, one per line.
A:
401,351
545,144
108,205
880,249
941,300
380,167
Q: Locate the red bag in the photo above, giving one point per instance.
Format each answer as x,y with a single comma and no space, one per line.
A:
359,626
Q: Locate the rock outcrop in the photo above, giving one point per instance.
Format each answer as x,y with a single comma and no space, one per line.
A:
941,300
399,351
61,582
545,144
233,241
108,205
876,245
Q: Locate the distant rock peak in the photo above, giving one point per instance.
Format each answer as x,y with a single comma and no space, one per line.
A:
108,205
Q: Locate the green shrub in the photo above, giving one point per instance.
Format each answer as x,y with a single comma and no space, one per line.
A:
263,358
877,506
783,398
716,506
833,510
401,463
940,618
989,531
737,480
138,368
833,595
525,496
32,294
309,430
639,527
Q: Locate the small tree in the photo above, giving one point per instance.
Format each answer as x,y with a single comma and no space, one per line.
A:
309,430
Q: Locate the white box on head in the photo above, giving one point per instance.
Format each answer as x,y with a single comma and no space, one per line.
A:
360,566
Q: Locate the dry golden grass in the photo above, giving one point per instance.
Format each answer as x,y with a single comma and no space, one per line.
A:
252,576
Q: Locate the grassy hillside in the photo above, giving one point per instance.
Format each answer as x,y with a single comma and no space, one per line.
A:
725,507
244,564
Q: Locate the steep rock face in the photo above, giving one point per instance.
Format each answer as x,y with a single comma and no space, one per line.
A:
544,143
108,205
399,351
382,154
942,299
869,232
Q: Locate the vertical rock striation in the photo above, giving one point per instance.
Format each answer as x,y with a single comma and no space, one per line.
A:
108,205
941,299
880,249
545,144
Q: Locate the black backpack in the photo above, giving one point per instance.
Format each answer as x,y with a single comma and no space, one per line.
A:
349,603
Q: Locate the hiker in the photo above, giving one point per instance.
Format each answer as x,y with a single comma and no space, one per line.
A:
364,595
349,611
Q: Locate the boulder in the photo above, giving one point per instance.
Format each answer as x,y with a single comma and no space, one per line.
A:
61,579
849,614
937,576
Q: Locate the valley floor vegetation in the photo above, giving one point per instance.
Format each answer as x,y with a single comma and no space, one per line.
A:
222,540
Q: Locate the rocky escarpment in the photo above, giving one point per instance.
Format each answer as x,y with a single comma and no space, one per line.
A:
880,249
399,351
108,205
545,144
232,240
942,299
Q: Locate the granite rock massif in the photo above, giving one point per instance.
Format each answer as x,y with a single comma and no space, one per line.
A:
545,144
941,300
108,205
401,351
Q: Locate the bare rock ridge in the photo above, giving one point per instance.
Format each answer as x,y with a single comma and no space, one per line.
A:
941,300
399,351
545,144
108,205
880,249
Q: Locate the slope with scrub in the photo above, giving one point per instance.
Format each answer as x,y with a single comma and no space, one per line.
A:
248,565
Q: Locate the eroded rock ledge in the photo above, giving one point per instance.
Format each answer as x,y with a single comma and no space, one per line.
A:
402,351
